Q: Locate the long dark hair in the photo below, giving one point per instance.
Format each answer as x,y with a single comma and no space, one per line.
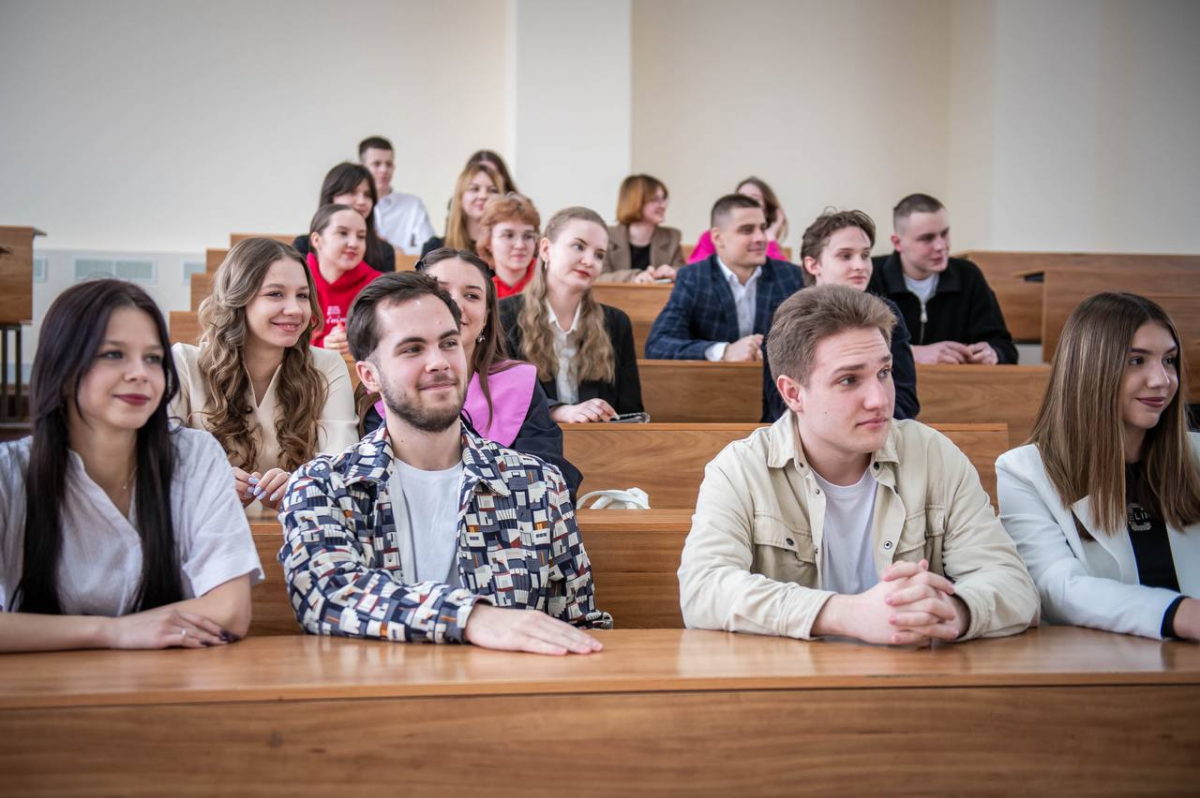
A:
72,333
344,179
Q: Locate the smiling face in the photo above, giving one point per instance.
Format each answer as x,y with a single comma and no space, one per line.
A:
575,258
467,285
125,384
343,241
923,241
845,260
1150,379
382,165
359,199
477,193
741,238
282,308
846,405
513,246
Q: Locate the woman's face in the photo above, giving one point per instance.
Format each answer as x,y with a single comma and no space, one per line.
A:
655,210
359,199
125,384
575,258
478,192
753,192
513,244
1151,376
467,285
282,309
343,241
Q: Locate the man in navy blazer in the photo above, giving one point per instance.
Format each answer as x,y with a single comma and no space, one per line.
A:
721,308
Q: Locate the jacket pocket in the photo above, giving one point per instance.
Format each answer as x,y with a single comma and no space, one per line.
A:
784,553
922,536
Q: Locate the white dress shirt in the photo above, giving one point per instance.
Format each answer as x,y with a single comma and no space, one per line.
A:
566,344
403,221
745,300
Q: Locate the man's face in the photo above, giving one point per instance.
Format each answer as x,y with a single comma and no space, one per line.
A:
846,260
418,365
847,404
923,241
741,239
382,165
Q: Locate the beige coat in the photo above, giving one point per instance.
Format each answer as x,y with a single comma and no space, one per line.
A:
751,562
338,423
664,250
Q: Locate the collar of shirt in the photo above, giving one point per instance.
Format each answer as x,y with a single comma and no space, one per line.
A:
732,278
554,319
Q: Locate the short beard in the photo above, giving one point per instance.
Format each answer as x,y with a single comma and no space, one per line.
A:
427,420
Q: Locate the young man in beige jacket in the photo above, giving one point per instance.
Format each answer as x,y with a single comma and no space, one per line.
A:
837,520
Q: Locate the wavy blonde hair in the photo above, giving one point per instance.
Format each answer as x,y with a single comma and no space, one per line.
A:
302,388
595,359
457,235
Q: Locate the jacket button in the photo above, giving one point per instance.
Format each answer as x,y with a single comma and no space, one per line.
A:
791,542
877,466
887,544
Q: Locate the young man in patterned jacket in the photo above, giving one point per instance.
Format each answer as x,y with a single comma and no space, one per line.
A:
423,531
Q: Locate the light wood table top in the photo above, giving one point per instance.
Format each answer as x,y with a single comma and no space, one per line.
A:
633,661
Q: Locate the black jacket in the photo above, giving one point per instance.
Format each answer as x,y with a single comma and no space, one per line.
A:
963,308
624,394
380,255
904,376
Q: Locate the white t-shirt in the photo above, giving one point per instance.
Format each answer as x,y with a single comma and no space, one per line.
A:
100,565
432,502
847,561
924,289
402,220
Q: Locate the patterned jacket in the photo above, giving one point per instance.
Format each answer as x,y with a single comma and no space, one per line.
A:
518,546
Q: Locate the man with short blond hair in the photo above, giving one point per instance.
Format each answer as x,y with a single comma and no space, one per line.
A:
838,520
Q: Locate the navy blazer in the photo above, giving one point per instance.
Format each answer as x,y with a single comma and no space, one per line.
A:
701,311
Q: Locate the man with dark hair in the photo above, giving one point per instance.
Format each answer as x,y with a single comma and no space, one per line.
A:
838,520
400,219
952,313
423,531
836,250
720,308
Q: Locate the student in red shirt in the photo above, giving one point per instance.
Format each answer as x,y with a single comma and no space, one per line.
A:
338,235
508,242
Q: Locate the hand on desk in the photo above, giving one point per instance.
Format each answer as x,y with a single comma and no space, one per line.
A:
655,273
584,412
526,630
744,350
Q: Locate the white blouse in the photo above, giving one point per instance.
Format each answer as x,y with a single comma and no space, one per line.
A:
100,565
337,426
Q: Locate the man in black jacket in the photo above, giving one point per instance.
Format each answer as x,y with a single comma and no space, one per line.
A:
949,309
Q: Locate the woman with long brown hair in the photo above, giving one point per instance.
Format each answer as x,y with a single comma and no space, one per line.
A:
351,184
476,184
272,401
1104,500
583,350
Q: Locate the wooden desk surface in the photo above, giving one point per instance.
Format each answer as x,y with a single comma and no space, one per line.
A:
640,661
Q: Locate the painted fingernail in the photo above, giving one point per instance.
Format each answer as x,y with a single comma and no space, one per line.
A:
248,492
260,492
229,637
253,480
275,496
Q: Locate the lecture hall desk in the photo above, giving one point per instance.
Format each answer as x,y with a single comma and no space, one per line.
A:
658,711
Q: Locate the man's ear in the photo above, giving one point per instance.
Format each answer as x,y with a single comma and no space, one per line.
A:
791,391
895,242
368,375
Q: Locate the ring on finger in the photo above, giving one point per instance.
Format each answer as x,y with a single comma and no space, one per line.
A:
182,634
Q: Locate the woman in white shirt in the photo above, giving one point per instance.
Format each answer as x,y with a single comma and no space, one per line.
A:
115,531
271,400
1104,502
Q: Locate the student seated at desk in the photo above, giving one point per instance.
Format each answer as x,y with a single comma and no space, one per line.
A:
351,184
641,249
721,308
1104,503
836,250
271,400
587,366
337,233
504,403
777,226
423,531
477,183
509,241
115,530
838,520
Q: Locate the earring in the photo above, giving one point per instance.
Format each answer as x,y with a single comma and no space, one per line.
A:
481,338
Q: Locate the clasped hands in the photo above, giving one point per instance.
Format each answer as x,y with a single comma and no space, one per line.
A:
910,605
268,487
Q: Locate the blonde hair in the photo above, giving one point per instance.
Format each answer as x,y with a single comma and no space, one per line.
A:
457,236
595,359
302,388
1079,428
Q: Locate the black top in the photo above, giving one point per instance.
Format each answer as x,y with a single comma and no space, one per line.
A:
379,255
963,308
538,436
624,393
639,257
904,376
1148,534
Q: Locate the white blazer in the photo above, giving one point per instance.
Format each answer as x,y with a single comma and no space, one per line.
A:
1092,583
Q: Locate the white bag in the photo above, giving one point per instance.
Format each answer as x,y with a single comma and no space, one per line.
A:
632,499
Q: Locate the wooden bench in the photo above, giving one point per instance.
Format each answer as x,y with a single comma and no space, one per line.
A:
641,302
1057,710
667,460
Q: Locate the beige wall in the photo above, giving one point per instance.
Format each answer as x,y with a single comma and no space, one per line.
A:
136,125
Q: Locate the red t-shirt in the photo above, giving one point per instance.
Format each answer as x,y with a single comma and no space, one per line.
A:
340,293
503,289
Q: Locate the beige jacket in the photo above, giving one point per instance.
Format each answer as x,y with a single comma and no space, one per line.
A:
751,562
618,264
